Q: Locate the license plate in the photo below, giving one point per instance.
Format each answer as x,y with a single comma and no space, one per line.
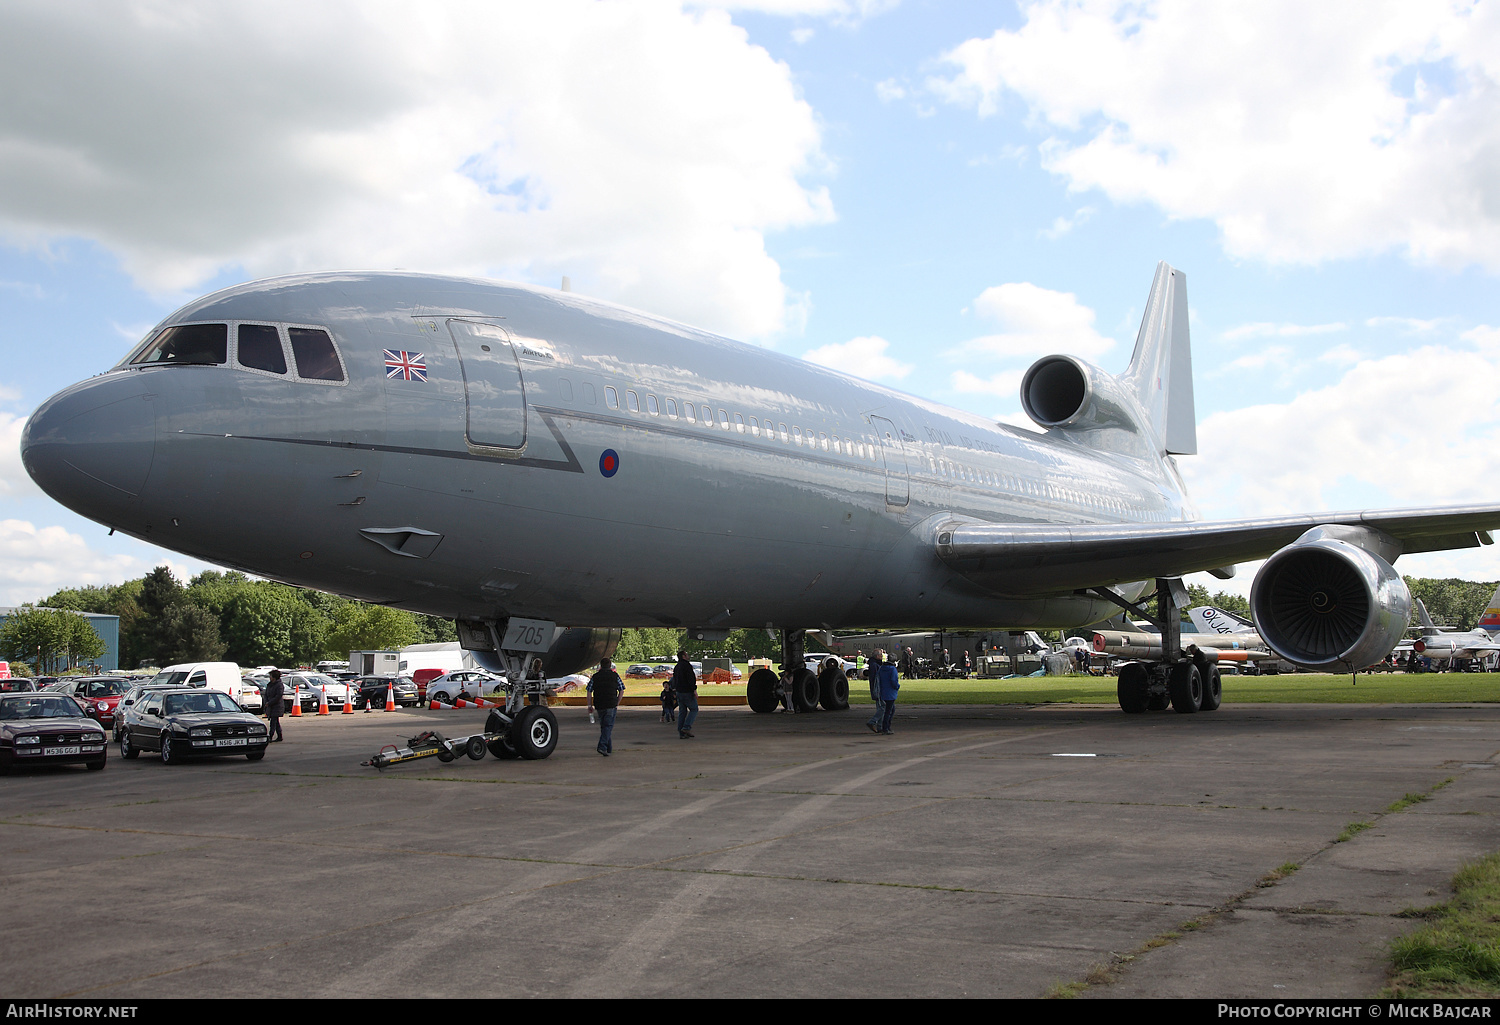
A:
232,742
74,750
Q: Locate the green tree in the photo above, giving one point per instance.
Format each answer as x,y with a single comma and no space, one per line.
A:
361,627
639,645
53,640
1450,602
266,623
187,633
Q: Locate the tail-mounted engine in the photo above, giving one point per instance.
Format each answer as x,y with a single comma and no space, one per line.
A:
1065,393
1331,599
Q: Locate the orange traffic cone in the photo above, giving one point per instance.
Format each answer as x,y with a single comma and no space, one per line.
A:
297,706
348,704
322,702
390,699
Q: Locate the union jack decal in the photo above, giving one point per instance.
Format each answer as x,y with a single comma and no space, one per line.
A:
409,366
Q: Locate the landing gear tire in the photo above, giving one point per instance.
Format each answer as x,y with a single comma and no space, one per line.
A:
1186,687
804,690
1213,692
475,748
1131,689
833,690
501,747
1158,702
761,690
534,733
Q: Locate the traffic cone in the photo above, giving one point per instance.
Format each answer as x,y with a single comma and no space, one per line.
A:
322,702
436,704
390,699
348,704
297,706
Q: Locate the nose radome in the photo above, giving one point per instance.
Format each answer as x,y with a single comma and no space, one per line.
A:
91,445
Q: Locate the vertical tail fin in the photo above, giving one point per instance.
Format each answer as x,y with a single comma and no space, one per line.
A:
1161,369
1490,621
1426,620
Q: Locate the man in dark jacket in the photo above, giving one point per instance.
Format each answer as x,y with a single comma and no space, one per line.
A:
685,685
271,700
605,690
889,683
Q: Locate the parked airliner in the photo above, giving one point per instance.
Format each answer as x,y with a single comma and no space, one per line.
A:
547,468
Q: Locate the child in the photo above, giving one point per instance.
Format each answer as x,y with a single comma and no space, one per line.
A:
668,703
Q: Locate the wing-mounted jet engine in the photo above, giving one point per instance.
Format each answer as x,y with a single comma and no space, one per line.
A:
1332,599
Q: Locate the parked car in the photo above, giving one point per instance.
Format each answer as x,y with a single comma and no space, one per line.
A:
640,671
249,696
48,729
310,688
471,683
131,698
181,722
17,684
372,691
98,696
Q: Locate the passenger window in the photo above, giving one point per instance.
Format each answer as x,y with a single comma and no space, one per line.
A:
589,395
723,419
260,348
708,417
188,345
632,401
651,406
611,397
687,411
672,408
781,429
317,359
565,386
755,426
823,441
796,435
739,423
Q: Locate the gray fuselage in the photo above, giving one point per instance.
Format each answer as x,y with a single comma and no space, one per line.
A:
487,490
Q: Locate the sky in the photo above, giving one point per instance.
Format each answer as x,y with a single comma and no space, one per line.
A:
929,195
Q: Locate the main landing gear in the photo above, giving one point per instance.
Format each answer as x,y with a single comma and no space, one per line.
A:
1187,680
797,688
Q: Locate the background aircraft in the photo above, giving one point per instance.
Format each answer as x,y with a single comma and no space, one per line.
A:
545,469
1442,645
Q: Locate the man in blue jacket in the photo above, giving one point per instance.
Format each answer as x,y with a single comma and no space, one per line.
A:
885,683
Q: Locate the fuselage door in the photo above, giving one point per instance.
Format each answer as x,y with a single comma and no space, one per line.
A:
897,484
494,394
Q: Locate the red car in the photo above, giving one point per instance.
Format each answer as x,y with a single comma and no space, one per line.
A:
99,696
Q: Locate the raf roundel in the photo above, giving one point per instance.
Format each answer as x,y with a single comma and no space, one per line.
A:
609,462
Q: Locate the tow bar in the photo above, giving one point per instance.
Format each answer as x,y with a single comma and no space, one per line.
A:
430,743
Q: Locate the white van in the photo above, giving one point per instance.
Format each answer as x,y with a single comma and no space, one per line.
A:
220,676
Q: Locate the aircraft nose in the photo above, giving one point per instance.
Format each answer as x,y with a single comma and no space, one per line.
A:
91,446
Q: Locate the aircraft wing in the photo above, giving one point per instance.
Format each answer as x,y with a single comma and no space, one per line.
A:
1034,558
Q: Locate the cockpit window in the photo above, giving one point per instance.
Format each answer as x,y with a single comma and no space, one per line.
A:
317,359
260,348
188,345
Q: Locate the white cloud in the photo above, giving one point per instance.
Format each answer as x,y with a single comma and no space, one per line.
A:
1485,338
863,357
1424,419
802,36
1304,132
15,482
1410,324
840,12
36,561
1062,225
1006,383
1035,322
890,90
643,149
1266,330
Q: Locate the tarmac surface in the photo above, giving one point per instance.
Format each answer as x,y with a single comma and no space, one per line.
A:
981,851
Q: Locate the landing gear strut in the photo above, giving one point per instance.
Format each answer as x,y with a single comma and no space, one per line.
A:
1187,679
526,727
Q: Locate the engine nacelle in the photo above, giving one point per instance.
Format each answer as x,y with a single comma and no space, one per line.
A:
1330,599
1065,393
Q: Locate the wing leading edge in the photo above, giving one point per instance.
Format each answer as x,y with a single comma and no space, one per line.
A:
1037,559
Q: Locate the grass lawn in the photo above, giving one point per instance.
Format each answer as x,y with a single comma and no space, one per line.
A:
1378,688
1457,954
